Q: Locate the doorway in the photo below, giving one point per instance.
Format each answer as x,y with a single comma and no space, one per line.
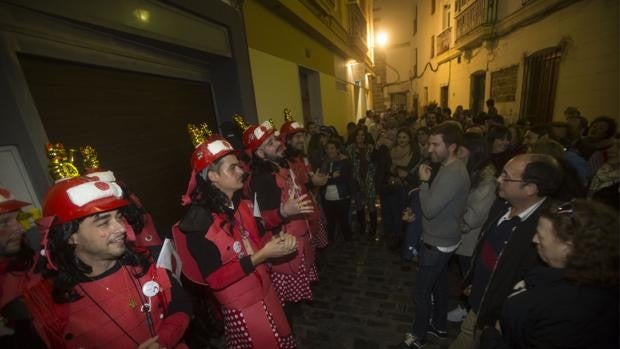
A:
539,85
309,83
476,100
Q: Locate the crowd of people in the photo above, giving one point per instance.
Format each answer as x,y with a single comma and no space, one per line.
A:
529,211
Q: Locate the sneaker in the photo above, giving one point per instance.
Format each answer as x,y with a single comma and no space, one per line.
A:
411,341
457,314
441,334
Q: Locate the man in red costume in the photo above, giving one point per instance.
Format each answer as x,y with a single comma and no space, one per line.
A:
17,260
223,246
145,233
282,208
303,177
99,291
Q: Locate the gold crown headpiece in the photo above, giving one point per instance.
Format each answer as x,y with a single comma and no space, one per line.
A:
90,159
199,134
287,115
61,165
241,123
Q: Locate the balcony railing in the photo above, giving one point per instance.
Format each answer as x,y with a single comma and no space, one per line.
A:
474,14
357,26
443,40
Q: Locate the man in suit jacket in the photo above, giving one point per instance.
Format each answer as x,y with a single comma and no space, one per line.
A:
504,252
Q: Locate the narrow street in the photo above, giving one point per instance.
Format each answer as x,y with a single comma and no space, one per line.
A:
363,300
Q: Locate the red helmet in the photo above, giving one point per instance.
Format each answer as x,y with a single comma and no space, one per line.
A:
254,136
289,128
80,197
8,202
205,154
209,151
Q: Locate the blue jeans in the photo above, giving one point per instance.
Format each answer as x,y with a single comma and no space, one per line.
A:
432,279
413,231
393,201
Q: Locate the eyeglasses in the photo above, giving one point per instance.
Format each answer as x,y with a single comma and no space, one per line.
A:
504,177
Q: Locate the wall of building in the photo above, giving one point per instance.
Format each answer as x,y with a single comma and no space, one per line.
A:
588,72
278,49
276,86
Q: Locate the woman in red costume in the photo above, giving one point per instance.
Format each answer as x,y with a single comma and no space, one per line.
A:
223,247
99,291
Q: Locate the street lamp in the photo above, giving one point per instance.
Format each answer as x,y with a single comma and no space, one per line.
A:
382,39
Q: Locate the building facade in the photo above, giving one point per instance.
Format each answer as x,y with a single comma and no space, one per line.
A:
313,57
124,76
533,57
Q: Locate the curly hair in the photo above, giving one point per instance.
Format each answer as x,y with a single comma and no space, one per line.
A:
592,229
71,269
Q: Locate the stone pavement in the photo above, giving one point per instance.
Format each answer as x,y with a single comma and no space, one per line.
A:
363,300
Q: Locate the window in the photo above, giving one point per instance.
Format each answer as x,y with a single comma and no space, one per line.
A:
432,46
445,17
443,96
433,5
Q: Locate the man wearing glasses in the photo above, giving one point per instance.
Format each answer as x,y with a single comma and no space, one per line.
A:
505,251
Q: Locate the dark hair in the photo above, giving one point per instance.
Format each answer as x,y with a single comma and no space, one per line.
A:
545,172
583,122
480,119
478,155
208,195
592,229
405,131
450,133
498,132
71,269
490,102
611,123
496,119
367,137
23,259
519,133
335,141
541,129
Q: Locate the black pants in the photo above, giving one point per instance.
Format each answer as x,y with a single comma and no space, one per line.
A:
337,214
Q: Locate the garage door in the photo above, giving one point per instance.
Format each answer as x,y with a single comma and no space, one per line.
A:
137,122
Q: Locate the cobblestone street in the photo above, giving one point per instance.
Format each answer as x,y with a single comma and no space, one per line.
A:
363,300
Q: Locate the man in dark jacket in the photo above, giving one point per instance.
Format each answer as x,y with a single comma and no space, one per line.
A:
505,252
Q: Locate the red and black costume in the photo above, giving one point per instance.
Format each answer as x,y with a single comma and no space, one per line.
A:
302,170
108,313
271,185
216,251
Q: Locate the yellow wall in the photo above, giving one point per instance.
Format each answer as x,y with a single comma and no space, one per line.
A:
269,33
277,50
588,72
337,104
276,86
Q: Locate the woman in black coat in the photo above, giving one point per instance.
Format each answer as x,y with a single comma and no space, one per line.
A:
573,301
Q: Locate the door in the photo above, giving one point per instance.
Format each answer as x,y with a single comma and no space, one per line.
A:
476,99
539,85
309,83
137,123
443,99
